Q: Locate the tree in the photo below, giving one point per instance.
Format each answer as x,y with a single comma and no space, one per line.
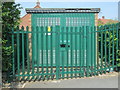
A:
10,19
100,23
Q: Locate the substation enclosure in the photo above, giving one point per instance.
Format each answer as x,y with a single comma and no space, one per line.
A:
63,36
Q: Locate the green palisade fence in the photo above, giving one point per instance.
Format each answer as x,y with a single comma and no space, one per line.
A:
60,52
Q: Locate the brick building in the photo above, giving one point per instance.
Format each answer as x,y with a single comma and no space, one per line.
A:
26,19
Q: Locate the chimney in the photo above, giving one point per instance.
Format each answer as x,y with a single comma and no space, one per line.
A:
103,17
38,3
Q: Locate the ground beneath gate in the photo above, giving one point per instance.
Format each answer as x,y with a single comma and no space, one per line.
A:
109,80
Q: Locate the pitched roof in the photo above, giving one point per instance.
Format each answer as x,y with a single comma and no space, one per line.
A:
37,6
105,21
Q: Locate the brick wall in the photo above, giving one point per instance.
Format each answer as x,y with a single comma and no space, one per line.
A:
26,21
96,19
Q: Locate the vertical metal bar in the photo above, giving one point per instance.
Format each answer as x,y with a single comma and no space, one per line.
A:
80,50
63,41
33,50
113,27
63,29
51,56
13,59
98,49
90,41
101,52
47,44
95,49
44,49
18,53
87,50
105,49
38,49
23,57
67,49
109,32
57,52
47,51
74,46
92,63
90,47
76,51
90,50
42,46
84,48
85,42
71,28
27,47
39,43
117,61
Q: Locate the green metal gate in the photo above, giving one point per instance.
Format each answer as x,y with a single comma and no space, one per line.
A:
68,27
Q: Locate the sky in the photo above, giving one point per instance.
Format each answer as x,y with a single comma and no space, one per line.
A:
108,9
69,0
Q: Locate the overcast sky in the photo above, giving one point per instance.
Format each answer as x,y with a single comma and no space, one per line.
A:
108,9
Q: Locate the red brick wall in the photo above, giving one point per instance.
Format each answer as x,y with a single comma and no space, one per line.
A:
25,21
96,19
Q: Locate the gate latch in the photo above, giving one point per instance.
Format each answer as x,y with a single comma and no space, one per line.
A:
64,45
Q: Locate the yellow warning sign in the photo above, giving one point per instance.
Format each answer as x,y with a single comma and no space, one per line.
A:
49,29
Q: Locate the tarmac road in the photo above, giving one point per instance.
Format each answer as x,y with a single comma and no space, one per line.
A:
109,80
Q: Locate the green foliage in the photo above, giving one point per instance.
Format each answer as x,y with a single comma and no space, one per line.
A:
6,56
110,38
100,23
10,19
118,60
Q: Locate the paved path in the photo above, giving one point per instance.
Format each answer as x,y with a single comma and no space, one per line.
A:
104,81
